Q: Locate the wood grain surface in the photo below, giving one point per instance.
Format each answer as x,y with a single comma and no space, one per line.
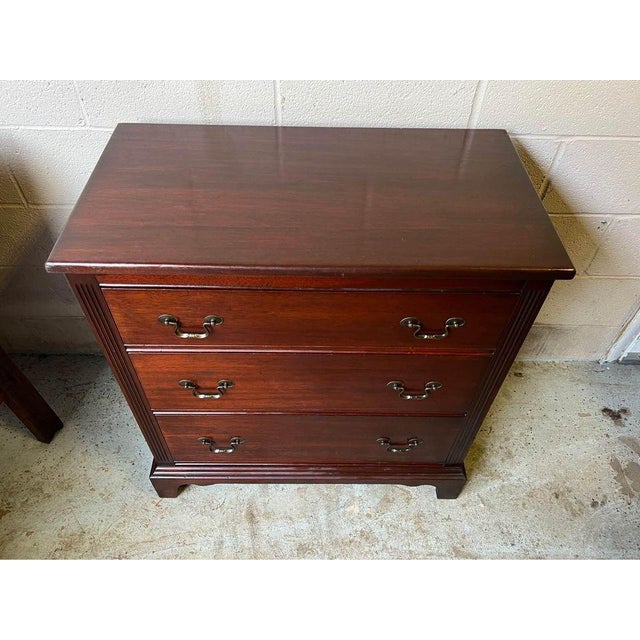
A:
320,439
312,244
318,319
309,382
295,200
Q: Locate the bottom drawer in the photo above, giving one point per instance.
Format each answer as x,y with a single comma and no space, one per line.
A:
210,438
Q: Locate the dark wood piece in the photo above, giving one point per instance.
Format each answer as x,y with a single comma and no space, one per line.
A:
312,245
310,382
319,319
25,401
294,200
97,312
448,480
533,297
320,282
317,438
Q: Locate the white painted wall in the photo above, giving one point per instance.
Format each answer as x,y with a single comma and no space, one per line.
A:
580,143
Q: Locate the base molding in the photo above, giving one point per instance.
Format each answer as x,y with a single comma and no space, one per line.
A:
169,479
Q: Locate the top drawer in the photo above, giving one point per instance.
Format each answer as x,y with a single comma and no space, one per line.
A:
316,319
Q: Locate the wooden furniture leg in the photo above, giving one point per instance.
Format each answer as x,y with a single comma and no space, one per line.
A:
23,399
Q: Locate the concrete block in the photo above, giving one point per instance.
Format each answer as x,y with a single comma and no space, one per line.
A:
55,335
537,156
578,343
108,102
596,176
619,253
28,235
561,107
581,236
590,301
52,166
377,103
8,192
533,343
32,292
559,342
39,102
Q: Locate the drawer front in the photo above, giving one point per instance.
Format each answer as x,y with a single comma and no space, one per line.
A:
320,319
322,439
309,382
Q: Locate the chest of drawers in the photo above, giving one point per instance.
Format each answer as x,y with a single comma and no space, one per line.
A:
309,305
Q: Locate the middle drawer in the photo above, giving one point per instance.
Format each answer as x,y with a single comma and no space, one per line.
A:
310,382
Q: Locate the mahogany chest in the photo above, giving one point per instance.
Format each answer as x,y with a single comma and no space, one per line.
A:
309,304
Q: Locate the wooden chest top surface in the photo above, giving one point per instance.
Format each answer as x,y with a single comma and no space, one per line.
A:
300,201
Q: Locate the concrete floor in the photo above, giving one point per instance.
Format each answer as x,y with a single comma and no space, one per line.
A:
554,473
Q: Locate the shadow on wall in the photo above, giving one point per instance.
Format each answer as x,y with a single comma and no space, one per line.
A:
536,174
38,311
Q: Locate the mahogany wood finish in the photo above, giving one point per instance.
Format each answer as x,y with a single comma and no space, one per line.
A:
312,245
24,400
319,439
96,310
532,300
309,382
448,480
322,319
321,282
295,200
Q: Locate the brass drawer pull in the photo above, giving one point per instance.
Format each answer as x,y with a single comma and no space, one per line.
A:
415,323
398,385
412,443
214,448
208,323
223,385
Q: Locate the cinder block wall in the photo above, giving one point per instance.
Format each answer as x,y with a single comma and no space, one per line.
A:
580,142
